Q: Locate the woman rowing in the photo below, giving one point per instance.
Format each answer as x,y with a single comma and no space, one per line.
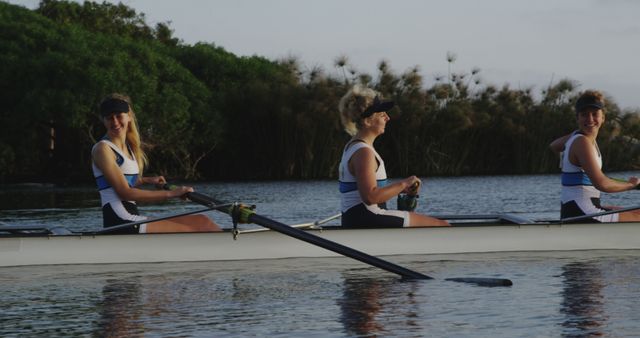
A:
582,176
362,173
118,163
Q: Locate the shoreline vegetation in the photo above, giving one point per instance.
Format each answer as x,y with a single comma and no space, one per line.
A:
211,115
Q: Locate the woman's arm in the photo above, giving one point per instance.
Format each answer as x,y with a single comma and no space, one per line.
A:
105,160
158,181
584,153
363,165
557,145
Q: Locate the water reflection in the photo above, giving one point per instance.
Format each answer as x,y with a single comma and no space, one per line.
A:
367,303
121,309
582,300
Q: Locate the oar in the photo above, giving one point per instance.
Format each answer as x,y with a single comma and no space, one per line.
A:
247,215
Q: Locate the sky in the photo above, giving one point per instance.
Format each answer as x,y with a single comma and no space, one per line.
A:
522,43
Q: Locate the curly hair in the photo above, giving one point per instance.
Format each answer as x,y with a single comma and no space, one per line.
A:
590,98
353,104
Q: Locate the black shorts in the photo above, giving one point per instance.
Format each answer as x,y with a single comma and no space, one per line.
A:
360,216
110,217
572,209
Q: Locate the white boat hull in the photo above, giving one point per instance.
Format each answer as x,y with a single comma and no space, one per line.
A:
148,248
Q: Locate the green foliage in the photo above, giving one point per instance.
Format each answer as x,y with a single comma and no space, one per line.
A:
7,160
206,113
58,74
110,19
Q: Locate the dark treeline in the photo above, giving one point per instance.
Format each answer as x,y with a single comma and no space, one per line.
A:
208,114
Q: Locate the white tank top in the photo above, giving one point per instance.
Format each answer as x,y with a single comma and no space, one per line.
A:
129,168
576,185
349,195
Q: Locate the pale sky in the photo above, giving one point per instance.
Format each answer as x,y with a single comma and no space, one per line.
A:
523,43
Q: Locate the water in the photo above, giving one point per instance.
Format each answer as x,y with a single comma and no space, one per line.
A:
290,201
554,294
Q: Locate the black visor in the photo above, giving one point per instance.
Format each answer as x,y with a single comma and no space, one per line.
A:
110,106
377,106
585,102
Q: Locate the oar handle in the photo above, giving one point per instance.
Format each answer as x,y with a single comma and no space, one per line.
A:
202,199
194,196
413,189
408,200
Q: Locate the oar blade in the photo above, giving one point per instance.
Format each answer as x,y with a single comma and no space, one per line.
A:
481,281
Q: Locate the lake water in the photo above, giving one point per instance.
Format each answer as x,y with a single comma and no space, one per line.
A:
554,294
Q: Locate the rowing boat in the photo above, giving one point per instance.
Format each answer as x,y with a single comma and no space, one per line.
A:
20,246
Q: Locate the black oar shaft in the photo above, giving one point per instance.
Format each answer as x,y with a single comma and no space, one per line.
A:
336,247
315,240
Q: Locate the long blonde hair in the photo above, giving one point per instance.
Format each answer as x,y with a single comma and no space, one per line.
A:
352,105
133,136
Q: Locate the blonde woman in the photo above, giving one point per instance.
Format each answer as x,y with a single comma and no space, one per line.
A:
118,164
363,180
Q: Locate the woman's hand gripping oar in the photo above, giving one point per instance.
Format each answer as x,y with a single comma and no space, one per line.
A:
621,180
244,214
408,200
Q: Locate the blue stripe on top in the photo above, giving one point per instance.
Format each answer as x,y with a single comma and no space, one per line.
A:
577,178
352,186
103,184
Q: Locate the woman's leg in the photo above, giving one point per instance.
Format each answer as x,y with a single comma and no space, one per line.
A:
189,223
420,220
629,216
